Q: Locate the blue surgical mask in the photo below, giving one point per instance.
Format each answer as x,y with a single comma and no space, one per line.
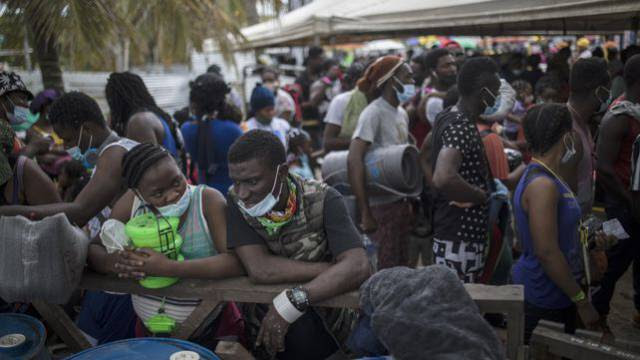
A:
265,205
89,158
20,118
490,110
407,93
178,208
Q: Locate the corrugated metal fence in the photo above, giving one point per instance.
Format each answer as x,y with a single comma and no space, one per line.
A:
171,91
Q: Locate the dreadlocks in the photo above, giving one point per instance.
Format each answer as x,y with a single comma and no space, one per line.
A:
138,160
128,95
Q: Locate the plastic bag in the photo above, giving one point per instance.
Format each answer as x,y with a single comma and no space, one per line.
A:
113,236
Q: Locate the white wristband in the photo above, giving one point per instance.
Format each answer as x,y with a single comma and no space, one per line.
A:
285,308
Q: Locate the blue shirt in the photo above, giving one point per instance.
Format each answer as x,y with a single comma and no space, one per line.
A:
221,135
168,142
539,289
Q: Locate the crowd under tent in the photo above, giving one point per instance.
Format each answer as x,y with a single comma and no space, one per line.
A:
340,21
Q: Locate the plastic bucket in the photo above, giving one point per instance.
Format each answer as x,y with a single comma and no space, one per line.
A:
22,337
147,349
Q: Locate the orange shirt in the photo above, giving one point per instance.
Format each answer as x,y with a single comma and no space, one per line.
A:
494,149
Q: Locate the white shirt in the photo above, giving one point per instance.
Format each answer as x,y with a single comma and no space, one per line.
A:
335,113
433,108
278,127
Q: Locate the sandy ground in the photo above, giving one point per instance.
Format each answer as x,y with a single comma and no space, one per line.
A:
622,310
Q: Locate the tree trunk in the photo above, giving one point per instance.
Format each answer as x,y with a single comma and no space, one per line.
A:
252,12
47,56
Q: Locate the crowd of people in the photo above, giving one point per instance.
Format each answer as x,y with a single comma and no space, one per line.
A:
513,160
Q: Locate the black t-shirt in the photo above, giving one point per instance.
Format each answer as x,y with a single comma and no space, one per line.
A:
452,222
342,234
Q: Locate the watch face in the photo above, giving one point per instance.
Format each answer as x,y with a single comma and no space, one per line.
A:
299,297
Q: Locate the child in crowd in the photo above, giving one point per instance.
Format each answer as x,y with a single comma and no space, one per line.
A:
524,100
72,179
264,115
299,154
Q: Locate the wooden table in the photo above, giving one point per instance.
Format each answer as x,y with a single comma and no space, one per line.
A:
508,299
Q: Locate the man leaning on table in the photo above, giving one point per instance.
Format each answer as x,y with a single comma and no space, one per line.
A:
289,230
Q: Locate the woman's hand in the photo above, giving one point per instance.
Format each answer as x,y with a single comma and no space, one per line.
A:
588,314
143,262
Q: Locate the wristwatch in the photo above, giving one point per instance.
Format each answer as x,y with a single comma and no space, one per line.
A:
299,298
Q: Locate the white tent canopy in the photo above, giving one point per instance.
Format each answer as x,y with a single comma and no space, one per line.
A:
336,21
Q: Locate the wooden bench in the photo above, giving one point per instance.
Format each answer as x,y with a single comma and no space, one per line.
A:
549,341
507,299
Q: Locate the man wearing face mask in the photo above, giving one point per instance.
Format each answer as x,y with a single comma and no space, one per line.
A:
383,123
288,230
461,176
618,131
589,95
443,72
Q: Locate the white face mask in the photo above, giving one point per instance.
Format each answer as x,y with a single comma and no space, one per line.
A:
176,209
570,150
265,205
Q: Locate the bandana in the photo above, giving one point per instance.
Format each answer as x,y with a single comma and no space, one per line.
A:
7,137
10,81
379,72
274,220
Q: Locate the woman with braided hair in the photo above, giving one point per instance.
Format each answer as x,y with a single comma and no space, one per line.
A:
209,137
135,115
156,183
547,216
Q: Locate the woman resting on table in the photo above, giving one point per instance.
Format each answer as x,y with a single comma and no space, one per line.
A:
547,217
154,180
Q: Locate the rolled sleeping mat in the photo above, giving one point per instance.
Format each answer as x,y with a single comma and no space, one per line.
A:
390,170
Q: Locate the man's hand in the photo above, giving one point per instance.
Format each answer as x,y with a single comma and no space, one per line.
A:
272,332
368,224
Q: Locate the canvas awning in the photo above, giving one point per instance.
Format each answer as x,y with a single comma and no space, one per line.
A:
338,21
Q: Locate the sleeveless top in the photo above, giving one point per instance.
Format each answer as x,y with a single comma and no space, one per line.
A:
197,244
95,224
539,289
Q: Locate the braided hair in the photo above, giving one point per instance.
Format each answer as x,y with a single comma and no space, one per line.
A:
138,160
208,93
127,95
74,109
545,125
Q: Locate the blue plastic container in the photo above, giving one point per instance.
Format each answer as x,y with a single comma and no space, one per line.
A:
146,349
22,337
